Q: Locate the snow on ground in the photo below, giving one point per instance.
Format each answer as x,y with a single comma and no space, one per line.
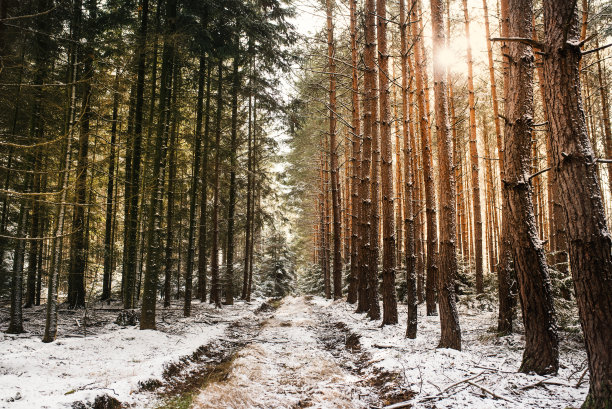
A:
492,362
113,361
285,367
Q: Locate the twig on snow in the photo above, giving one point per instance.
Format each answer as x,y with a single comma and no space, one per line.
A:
490,392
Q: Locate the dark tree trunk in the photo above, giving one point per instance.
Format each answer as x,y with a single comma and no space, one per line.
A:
16,314
215,291
231,206
408,135
507,285
195,173
133,177
368,286
249,214
474,156
541,353
355,133
202,234
590,247
78,254
170,242
364,302
430,205
389,246
153,257
333,154
107,278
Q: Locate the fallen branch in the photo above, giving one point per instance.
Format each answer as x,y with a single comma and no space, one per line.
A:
581,378
544,382
490,392
399,405
441,394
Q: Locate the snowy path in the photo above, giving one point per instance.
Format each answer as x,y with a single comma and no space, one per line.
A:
287,366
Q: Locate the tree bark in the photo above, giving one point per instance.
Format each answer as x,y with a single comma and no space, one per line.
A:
195,175
474,156
231,207
153,256
369,106
215,295
590,247
372,91
450,336
107,278
355,133
427,164
388,212
408,135
133,175
505,276
541,354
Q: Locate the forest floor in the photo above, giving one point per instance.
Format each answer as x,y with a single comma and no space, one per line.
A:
301,352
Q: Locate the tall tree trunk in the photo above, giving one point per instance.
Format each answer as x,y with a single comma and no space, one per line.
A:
203,231
76,274
153,256
51,312
372,94
590,247
450,336
133,178
365,259
430,205
333,153
215,294
249,214
231,207
541,354
107,278
388,214
505,276
408,135
474,158
195,174
355,132
171,159
255,187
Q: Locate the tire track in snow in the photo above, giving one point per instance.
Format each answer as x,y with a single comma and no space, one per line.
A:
288,366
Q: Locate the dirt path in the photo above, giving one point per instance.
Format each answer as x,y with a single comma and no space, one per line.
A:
289,365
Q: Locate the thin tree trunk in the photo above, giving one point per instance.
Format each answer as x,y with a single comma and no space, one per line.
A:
171,159
334,167
76,275
474,159
203,231
505,276
195,173
388,214
408,135
372,92
249,215
231,207
107,278
430,205
153,257
133,178
215,295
